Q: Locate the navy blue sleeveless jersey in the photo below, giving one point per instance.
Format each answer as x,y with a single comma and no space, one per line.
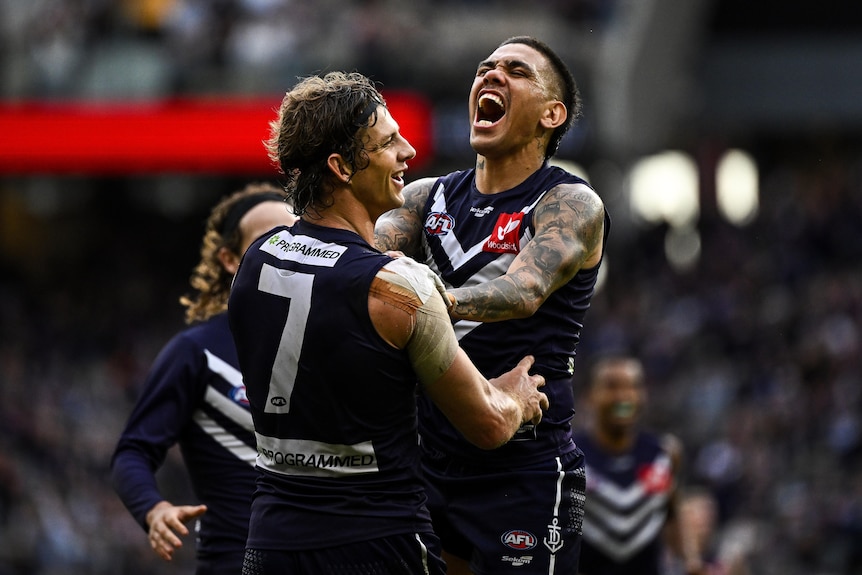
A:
470,238
333,403
627,504
193,396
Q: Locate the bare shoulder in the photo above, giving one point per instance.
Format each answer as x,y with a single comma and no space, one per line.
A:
579,199
574,213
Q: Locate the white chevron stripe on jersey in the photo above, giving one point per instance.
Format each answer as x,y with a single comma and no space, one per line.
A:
622,523
457,256
225,405
229,408
623,550
226,439
625,496
224,369
450,243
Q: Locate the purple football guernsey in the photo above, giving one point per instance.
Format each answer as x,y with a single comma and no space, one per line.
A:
333,404
470,238
193,396
628,495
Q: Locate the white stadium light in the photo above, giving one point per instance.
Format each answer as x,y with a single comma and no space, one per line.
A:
737,189
664,187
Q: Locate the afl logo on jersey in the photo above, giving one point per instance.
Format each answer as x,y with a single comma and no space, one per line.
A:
439,224
238,395
518,540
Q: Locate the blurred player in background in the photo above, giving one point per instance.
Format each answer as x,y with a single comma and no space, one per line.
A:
194,396
633,479
332,336
723,552
518,244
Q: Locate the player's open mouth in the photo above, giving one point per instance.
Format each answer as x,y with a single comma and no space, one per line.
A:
490,110
624,409
399,177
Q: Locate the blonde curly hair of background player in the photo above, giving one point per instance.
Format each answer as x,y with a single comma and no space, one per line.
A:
210,280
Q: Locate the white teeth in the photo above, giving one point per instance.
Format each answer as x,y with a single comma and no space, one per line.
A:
485,123
493,97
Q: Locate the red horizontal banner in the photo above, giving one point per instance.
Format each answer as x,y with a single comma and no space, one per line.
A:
178,135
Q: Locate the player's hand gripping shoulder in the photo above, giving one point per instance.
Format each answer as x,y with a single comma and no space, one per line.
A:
401,229
569,228
408,311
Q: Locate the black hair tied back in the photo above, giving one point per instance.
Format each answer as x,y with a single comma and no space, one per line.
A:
242,207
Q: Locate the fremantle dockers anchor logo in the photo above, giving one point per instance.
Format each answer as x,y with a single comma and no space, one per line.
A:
554,540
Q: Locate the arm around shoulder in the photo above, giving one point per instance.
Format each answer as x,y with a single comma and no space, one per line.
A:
410,313
400,229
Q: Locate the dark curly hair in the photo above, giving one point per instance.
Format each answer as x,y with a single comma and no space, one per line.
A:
320,116
565,86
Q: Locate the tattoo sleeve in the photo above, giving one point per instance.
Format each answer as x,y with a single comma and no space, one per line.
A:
569,225
401,229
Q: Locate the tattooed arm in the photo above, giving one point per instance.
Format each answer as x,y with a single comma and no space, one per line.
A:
401,229
569,224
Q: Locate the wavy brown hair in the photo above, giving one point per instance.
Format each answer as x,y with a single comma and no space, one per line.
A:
320,116
209,280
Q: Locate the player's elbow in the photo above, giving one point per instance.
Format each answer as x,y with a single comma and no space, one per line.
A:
529,304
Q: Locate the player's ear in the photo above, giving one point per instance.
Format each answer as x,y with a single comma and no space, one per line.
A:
228,259
339,167
555,114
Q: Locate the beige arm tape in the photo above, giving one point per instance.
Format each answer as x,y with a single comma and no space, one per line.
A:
432,347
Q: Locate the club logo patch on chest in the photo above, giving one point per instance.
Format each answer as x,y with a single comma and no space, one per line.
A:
439,224
504,238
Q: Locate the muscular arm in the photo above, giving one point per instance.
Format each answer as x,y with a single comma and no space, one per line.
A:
401,229
569,224
409,313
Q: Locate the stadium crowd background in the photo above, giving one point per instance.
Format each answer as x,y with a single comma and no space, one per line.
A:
754,352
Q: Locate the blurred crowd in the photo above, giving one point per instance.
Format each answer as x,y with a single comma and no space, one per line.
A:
153,48
753,359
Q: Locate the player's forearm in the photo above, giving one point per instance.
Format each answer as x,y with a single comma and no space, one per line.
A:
503,418
497,300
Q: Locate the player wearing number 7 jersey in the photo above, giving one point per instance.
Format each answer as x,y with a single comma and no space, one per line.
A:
332,336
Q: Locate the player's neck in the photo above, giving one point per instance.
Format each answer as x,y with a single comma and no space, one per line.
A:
498,174
348,216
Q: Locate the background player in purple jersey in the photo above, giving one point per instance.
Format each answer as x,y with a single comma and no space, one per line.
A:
518,244
194,396
633,481
332,336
